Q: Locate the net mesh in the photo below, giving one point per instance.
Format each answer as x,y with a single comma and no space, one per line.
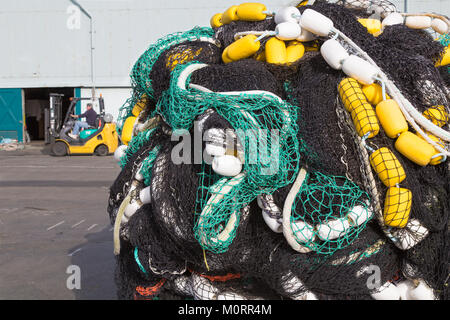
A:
266,129
205,236
141,81
321,219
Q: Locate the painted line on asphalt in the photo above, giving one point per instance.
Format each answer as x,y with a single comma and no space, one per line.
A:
58,224
78,223
91,227
8,210
75,251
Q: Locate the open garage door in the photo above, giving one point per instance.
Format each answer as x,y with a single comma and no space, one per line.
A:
11,114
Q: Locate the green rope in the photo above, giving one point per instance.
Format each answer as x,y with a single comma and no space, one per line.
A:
136,257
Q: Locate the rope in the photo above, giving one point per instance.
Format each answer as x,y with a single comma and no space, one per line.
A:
248,112
224,278
150,291
136,257
117,223
287,230
410,113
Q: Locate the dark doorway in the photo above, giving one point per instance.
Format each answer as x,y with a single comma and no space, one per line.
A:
37,100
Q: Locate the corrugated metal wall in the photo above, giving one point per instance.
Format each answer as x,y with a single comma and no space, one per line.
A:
46,44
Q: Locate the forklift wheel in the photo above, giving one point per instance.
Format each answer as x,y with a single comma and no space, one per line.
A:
101,150
59,149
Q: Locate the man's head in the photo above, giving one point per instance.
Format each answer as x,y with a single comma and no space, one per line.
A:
89,106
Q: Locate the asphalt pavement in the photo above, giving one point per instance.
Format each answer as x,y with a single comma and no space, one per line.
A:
55,234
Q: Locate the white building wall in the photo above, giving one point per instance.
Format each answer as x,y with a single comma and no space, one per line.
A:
44,46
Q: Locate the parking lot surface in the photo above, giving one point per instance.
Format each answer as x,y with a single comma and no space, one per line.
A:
54,226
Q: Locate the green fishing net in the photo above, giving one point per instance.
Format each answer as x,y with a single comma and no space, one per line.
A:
195,209
140,74
147,166
266,128
320,217
135,144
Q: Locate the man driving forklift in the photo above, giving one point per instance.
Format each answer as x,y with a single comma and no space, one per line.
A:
90,116
99,137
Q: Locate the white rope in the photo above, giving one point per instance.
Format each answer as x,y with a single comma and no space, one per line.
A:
117,223
287,209
241,34
410,113
223,187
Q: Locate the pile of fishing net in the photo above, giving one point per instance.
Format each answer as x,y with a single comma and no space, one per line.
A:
296,154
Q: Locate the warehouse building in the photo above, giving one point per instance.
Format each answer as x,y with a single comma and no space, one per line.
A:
49,48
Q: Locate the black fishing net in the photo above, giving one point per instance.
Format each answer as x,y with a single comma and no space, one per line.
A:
196,50
165,252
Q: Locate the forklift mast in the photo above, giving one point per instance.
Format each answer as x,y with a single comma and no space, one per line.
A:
101,104
53,117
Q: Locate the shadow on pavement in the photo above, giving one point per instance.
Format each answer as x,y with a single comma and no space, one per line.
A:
96,261
46,149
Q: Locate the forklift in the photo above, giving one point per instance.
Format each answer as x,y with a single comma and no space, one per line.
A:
100,140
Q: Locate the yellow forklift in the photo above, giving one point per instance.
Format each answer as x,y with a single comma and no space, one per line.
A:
100,140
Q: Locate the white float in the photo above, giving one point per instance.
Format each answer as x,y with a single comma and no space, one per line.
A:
183,285
215,139
287,14
439,26
412,234
375,9
333,229
138,176
360,69
145,195
227,165
316,23
230,296
120,151
404,287
334,53
388,291
306,36
272,223
303,231
418,22
392,19
203,289
358,215
421,292
130,210
288,31
214,150
292,283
